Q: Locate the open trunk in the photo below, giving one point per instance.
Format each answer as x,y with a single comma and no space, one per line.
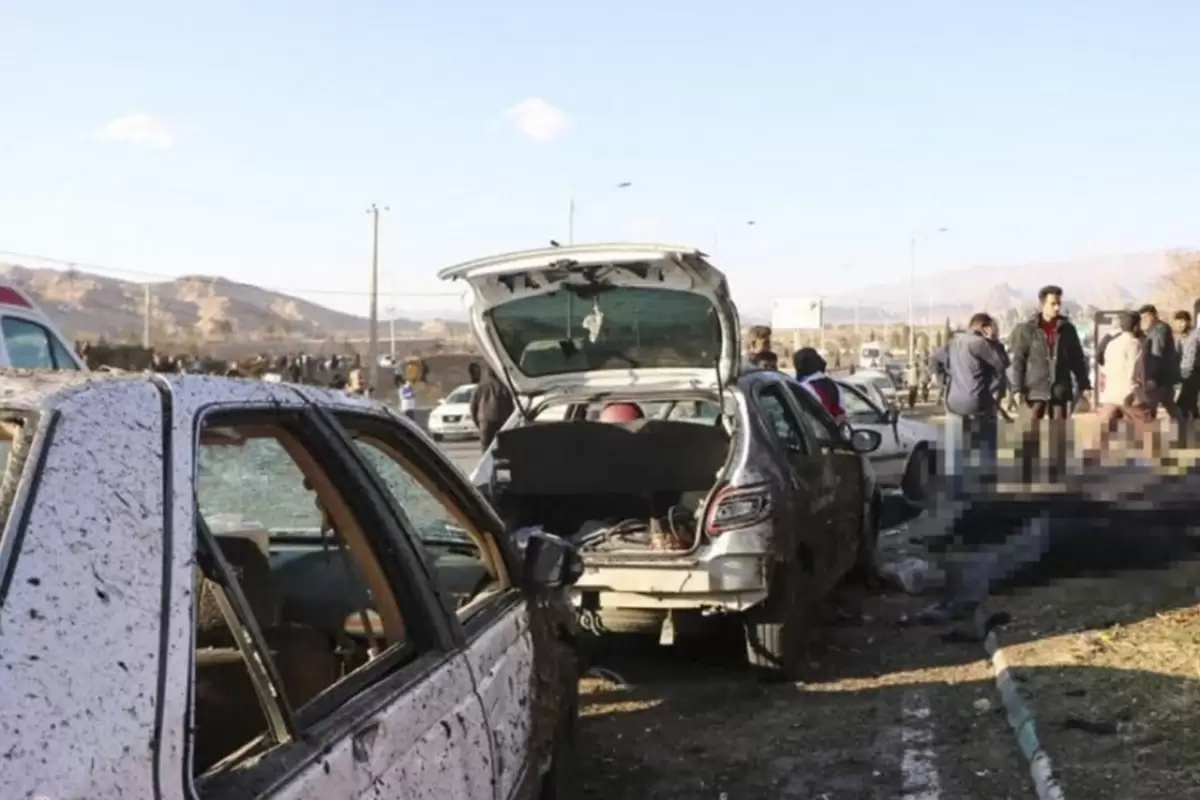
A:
639,486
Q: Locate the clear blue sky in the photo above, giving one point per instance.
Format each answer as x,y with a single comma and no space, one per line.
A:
246,138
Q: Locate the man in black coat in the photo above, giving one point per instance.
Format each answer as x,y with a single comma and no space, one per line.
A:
1049,375
491,406
1162,360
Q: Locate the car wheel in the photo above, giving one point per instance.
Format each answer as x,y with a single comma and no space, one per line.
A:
778,632
437,437
918,475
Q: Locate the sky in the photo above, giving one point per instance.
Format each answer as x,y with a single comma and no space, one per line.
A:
248,139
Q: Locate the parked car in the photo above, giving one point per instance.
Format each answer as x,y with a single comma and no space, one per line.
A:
733,495
451,418
218,588
905,458
29,339
878,385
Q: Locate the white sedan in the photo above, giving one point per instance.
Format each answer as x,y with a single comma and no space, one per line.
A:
905,459
876,384
451,419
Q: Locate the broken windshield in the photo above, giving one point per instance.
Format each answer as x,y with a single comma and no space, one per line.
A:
577,329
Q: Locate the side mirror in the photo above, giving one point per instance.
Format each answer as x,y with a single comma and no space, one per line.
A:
550,562
865,441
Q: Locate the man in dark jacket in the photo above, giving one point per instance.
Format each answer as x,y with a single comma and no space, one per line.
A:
491,406
1049,369
1161,360
1049,375
1189,370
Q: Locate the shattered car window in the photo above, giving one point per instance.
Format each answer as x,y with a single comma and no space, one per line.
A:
617,328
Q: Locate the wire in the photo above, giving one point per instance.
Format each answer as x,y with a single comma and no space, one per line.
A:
83,266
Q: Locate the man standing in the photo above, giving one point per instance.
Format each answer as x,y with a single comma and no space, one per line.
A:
1123,395
491,406
1161,359
1189,371
1049,375
759,355
977,382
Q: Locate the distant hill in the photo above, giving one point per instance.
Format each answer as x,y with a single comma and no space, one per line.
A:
85,305
1103,282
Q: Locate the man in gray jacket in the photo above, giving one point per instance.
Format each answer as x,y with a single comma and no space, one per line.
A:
977,379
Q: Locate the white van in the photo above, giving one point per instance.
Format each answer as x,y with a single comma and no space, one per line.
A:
28,339
871,355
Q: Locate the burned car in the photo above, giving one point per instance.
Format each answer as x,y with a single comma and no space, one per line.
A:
217,588
690,490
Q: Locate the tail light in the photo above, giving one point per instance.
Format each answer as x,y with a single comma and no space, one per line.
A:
738,507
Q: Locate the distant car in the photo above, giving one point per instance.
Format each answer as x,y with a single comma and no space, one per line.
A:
732,494
905,457
28,337
878,385
451,419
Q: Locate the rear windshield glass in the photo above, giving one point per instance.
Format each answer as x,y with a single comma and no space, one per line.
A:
619,328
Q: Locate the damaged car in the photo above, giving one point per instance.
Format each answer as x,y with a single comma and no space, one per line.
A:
217,588
693,492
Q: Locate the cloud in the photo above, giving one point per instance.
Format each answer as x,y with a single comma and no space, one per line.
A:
538,120
139,129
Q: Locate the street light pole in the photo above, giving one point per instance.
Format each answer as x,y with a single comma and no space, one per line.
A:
373,335
391,312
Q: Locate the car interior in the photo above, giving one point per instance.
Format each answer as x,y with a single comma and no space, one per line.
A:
321,599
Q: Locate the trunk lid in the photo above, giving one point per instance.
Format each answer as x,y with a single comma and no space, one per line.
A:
601,317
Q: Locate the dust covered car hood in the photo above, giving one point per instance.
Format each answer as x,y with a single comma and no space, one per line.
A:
600,317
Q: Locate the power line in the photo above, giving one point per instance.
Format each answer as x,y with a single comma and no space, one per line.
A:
84,266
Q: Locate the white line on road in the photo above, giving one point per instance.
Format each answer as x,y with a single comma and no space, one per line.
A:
918,768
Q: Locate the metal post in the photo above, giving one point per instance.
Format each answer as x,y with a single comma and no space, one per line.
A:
912,290
373,335
571,221
392,335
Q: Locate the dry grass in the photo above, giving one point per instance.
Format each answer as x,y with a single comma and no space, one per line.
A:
1112,668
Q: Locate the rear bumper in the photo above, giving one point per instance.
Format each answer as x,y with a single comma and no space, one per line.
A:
727,583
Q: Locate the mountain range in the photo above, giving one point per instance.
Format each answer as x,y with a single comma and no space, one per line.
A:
199,307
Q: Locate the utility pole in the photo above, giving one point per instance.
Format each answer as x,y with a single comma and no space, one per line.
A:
147,310
373,336
391,312
570,221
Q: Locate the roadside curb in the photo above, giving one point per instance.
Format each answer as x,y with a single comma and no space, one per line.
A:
1021,716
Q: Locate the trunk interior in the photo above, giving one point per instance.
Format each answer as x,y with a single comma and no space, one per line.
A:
611,487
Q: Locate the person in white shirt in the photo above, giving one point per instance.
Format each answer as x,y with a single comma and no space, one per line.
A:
408,399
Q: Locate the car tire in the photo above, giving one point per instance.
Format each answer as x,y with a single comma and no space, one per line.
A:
437,437
778,632
918,475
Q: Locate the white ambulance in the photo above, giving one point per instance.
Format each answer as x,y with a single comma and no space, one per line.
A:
29,339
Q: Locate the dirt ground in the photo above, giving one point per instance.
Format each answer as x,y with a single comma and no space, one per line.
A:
890,710
1111,667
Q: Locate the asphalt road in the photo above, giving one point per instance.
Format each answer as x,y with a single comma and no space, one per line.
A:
464,454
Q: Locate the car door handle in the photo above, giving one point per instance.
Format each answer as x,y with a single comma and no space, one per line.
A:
363,741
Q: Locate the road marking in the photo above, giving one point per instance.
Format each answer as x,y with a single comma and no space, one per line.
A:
918,767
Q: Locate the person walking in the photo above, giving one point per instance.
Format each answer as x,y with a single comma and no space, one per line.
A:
491,406
1049,376
357,384
977,383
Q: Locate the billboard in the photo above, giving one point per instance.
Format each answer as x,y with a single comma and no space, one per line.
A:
797,314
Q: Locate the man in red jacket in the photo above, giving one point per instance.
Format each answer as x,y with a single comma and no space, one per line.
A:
810,372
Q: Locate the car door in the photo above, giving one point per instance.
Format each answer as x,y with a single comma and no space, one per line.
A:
847,469
891,457
475,567
810,481
339,682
